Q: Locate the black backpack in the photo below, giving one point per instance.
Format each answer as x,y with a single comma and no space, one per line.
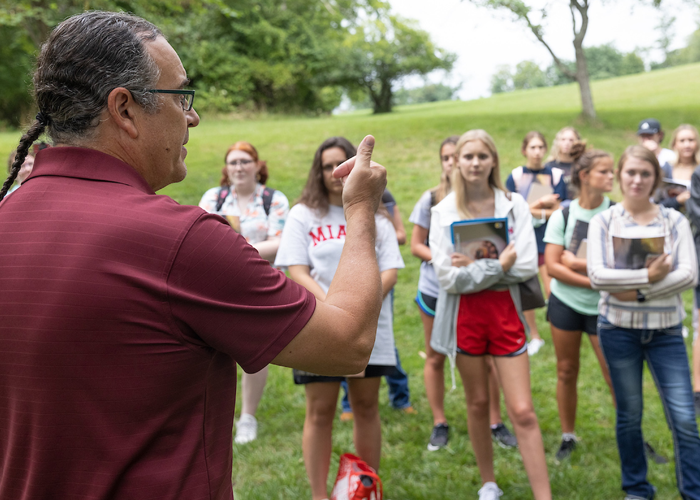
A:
224,191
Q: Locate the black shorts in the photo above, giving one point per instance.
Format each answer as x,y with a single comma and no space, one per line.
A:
372,371
427,303
563,317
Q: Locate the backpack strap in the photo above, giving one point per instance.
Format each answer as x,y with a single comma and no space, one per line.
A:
517,174
565,213
224,191
267,199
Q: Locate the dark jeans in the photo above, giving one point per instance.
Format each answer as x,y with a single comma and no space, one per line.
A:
625,351
398,389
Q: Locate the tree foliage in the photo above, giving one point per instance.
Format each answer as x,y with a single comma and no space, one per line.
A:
277,55
385,48
604,61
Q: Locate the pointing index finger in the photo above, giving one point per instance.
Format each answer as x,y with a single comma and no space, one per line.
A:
361,160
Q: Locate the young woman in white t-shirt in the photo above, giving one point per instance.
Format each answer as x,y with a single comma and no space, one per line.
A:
426,299
478,309
310,249
573,305
258,213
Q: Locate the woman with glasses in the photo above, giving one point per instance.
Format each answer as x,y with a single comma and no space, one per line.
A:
258,213
310,249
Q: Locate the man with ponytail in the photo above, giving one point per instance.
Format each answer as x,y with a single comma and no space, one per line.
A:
124,314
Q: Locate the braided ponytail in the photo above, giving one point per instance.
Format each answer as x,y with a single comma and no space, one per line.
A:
37,128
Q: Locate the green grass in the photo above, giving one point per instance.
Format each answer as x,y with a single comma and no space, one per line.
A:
407,142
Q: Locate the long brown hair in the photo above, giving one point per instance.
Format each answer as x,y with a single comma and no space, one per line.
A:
584,160
315,193
445,186
459,186
246,147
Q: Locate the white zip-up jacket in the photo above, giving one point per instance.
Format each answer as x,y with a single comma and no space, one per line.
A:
481,274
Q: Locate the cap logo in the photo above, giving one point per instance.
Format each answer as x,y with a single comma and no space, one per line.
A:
645,125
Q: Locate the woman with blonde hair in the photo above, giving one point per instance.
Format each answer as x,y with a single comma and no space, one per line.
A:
478,309
258,213
560,156
426,299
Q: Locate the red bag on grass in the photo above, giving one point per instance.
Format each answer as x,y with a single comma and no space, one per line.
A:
356,480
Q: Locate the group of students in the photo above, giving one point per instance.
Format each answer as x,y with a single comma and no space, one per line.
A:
473,311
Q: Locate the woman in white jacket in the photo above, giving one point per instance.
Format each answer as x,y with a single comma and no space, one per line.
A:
479,312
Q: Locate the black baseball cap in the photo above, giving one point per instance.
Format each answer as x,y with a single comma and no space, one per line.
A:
649,126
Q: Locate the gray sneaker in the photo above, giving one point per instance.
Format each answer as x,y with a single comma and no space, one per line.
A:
439,437
503,436
565,449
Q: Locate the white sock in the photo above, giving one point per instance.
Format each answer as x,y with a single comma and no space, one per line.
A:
247,417
568,436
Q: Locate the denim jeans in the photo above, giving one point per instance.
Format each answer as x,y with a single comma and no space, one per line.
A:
398,388
625,351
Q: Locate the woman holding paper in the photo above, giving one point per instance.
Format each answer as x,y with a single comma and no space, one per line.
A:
310,249
640,315
258,213
573,305
478,308
426,299
544,187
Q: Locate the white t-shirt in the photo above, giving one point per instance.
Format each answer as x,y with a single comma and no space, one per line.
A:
666,156
311,240
427,282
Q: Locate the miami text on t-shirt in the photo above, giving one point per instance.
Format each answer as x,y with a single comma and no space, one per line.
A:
327,232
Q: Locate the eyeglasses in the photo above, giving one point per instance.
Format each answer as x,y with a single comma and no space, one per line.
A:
186,96
242,163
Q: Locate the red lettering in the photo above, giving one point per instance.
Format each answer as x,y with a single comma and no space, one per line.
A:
330,232
319,238
341,231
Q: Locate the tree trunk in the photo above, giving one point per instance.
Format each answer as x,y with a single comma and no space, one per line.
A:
382,102
584,84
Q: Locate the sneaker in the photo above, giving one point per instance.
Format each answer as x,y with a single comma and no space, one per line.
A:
501,435
534,346
565,449
439,437
697,404
346,416
651,454
246,429
490,491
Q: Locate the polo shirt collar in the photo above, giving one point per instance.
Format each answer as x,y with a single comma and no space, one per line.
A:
85,163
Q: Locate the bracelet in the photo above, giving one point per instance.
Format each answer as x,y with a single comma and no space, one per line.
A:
543,215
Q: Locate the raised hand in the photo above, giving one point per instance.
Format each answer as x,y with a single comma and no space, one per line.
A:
363,180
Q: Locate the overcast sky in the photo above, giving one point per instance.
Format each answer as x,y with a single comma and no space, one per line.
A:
484,39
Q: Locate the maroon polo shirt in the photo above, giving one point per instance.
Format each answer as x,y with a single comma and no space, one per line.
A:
123,315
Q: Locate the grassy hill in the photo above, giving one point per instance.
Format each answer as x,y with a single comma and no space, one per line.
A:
407,142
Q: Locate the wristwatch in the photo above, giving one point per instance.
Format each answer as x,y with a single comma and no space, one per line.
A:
640,296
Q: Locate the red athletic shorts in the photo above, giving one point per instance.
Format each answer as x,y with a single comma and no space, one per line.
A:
488,323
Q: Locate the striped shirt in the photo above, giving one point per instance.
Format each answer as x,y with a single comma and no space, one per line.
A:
663,307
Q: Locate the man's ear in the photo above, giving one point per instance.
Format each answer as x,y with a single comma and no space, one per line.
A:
122,110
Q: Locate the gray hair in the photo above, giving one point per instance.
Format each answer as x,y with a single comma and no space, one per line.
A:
85,58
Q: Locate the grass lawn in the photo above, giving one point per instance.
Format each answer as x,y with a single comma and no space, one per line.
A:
407,142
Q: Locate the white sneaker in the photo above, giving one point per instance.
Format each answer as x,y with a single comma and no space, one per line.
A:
534,346
490,491
246,429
